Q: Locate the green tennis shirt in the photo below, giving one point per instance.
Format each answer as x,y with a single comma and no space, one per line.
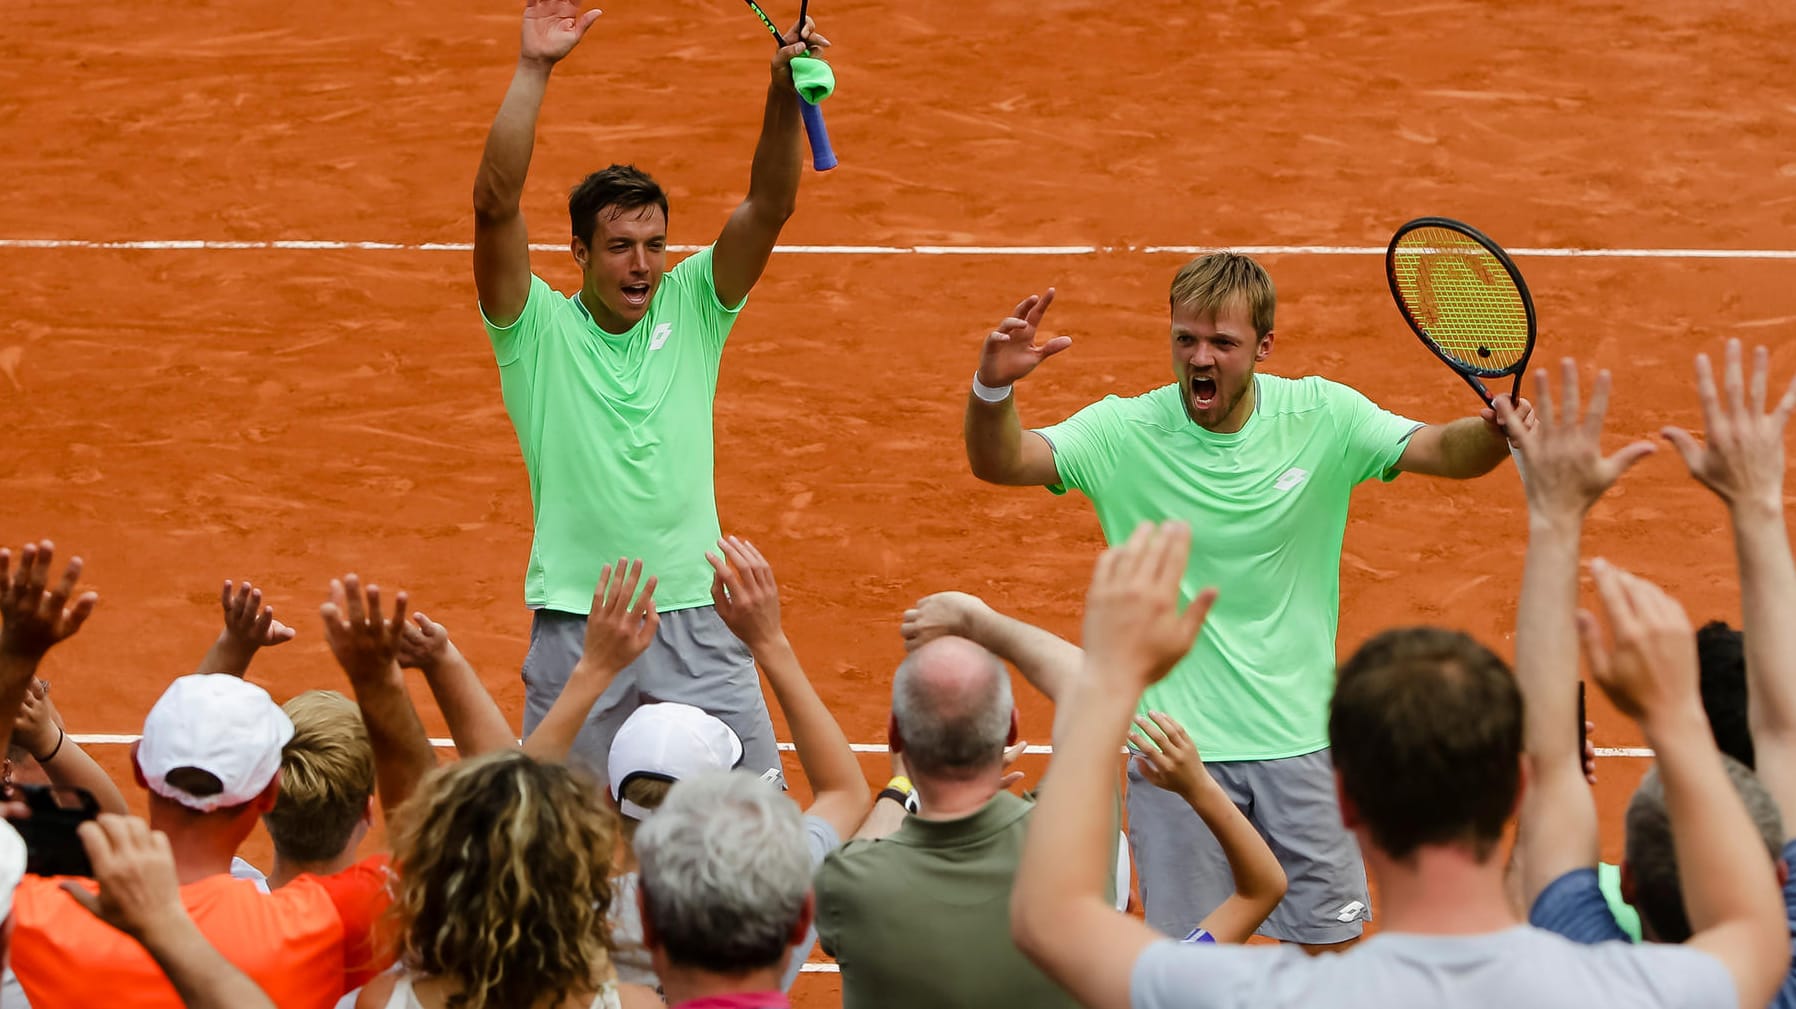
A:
1267,506
615,429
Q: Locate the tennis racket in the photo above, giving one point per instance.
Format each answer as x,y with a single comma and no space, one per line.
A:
1464,297
823,157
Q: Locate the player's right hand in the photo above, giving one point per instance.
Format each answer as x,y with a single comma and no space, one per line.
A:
1010,351
552,28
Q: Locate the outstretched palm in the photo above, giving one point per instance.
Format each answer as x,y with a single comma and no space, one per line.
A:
1010,352
553,27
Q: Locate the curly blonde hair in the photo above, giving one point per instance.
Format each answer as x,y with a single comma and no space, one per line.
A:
503,888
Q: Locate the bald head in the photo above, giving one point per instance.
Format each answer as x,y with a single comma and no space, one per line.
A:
952,706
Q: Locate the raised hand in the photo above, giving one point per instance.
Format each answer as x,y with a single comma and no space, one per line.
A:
1167,757
38,728
140,895
1135,629
939,615
746,595
364,641
423,644
1010,352
1649,667
1743,459
1565,468
621,625
1012,754
552,28
249,622
801,41
35,617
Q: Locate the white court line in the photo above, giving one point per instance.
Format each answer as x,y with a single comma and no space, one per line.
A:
125,739
310,245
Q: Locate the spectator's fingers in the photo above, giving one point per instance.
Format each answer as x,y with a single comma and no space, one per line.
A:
83,896
1761,379
645,604
355,611
1154,732
372,619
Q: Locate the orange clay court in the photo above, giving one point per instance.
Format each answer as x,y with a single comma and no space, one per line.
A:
179,416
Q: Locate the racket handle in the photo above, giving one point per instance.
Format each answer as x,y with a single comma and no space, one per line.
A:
823,157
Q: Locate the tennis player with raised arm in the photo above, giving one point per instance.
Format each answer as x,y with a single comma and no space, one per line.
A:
611,389
1262,468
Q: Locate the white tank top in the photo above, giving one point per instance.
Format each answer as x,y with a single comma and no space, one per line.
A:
404,998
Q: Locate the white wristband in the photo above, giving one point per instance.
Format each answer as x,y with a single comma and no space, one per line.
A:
991,394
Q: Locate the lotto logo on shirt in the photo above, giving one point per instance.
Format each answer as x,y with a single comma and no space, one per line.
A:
659,337
1291,478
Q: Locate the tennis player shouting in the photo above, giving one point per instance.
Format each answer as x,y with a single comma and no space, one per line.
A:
1261,468
611,390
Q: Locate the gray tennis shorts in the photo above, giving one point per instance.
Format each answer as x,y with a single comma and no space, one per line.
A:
1184,875
694,659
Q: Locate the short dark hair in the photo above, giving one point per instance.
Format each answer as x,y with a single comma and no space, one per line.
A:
617,188
1426,730
1721,652
1652,857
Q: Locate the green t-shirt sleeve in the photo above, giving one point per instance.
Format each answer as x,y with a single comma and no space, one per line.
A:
1085,446
513,341
1372,438
698,288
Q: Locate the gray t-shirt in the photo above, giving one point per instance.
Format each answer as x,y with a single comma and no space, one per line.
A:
632,960
1518,968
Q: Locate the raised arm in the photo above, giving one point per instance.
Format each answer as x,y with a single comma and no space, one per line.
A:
141,897
501,247
366,644
1466,448
35,616
749,235
1169,759
1045,659
249,627
1730,891
748,600
998,449
1566,474
1743,463
1135,632
40,731
475,721
619,629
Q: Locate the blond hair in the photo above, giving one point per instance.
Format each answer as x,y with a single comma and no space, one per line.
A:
503,867
1221,281
649,793
327,778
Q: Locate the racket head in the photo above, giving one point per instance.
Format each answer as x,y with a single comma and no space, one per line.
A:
1463,295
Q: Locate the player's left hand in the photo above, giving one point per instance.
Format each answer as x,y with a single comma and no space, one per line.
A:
801,41
1524,418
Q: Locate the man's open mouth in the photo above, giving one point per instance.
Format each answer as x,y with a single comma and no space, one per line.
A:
636,295
1203,392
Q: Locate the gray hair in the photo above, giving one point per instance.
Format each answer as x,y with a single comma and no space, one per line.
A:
1652,858
725,872
951,700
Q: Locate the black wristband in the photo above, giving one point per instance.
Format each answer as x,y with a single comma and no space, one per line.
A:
896,796
61,735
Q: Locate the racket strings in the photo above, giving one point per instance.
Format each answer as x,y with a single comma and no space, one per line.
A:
1461,298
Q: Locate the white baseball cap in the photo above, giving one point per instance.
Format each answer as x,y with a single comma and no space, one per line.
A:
668,742
12,865
218,724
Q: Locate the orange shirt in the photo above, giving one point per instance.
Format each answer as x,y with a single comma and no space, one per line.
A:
305,944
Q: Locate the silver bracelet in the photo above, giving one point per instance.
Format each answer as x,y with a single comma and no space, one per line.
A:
989,393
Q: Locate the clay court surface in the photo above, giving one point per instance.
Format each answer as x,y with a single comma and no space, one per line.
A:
180,416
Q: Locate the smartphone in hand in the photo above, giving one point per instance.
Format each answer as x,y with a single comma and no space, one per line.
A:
52,846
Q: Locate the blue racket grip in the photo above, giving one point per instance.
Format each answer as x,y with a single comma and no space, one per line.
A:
823,157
